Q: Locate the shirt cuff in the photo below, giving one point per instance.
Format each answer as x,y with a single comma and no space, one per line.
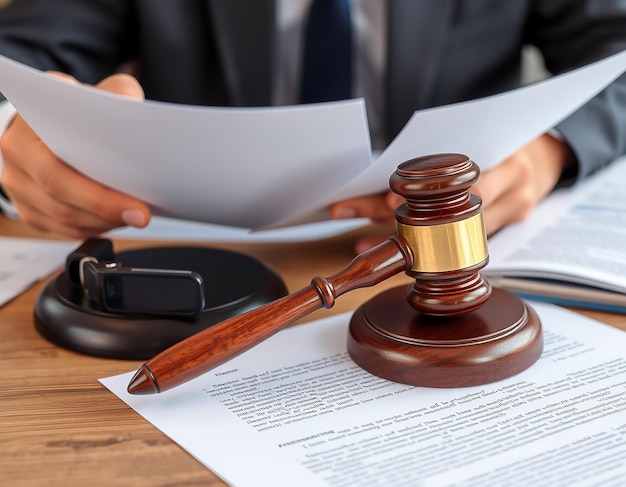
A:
7,112
7,207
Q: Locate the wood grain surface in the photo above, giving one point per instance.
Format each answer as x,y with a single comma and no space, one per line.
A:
60,426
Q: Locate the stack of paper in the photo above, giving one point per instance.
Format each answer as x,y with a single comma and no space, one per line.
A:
267,167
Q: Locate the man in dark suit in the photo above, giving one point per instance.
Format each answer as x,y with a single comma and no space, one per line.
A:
232,52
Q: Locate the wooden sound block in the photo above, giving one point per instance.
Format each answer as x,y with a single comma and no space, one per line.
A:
390,339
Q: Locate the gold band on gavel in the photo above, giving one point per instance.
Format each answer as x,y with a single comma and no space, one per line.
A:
447,247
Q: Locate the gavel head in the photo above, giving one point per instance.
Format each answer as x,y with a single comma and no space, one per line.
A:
442,223
454,330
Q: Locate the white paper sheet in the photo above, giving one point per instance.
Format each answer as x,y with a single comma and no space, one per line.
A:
264,167
176,229
24,261
295,410
228,166
487,130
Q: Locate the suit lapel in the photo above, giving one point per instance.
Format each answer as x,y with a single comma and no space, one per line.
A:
416,30
243,27
413,50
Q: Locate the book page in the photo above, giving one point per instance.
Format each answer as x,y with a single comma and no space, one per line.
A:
295,410
578,234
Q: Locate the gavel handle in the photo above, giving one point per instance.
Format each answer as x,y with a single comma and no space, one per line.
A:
209,348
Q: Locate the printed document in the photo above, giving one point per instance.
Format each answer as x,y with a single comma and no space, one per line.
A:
295,410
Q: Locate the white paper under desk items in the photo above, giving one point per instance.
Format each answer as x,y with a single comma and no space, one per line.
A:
308,413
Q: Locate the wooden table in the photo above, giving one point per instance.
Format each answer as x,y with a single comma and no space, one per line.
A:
60,426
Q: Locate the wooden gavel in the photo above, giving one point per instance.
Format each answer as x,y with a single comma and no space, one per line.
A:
450,328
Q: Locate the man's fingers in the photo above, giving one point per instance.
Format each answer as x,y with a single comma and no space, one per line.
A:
376,207
119,83
122,84
39,209
510,208
64,76
51,195
371,241
59,192
32,216
101,203
497,181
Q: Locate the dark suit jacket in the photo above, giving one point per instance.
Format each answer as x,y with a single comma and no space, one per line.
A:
219,52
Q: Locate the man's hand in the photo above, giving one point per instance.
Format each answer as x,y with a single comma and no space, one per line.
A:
509,191
53,197
379,208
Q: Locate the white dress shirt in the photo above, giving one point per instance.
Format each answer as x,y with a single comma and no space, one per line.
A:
369,18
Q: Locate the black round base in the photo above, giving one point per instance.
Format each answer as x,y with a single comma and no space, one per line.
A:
233,284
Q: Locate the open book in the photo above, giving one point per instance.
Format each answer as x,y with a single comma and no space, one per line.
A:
572,249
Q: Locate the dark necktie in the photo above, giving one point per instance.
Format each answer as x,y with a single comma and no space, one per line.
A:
327,55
